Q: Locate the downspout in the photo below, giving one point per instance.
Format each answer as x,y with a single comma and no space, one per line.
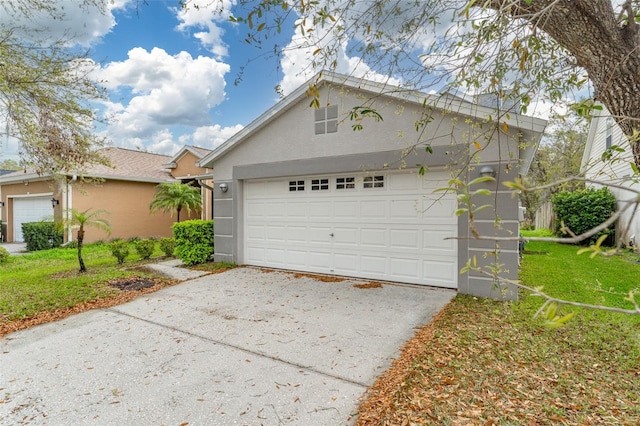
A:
210,188
67,211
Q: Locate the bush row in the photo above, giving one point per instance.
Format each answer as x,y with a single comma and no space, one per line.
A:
583,210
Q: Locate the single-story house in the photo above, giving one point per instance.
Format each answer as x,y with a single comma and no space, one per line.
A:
604,133
299,189
124,190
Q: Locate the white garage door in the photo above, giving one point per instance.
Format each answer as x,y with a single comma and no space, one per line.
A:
386,226
33,209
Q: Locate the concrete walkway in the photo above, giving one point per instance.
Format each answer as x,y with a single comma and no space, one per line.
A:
241,347
15,248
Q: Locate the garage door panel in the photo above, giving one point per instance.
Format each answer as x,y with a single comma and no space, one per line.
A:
441,270
346,236
346,264
402,267
320,234
405,209
276,210
276,256
373,209
255,232
394,233
373,264
255,209
404,238
320,259
276,233
439,241
346,209
297,234
439,210
372,237
320,210
297,258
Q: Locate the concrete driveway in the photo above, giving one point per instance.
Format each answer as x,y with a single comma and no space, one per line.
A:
245,347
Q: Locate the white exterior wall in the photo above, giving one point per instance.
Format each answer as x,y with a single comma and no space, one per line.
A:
616,172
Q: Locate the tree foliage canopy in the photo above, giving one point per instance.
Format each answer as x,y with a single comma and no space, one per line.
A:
175,197
520,50
45,94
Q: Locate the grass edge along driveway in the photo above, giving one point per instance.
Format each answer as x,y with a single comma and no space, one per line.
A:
483,362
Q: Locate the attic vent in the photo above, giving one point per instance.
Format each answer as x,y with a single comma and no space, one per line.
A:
326,120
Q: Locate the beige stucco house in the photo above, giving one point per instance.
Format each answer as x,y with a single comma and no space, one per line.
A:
299,189
124,190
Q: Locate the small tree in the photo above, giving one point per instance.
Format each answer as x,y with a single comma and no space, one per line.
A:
174,197
79,220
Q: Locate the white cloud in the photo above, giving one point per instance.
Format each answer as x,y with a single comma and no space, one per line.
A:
207,18
211,137
74,22
167,90
299,63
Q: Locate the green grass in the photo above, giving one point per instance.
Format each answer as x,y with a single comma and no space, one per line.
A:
489,362
48,280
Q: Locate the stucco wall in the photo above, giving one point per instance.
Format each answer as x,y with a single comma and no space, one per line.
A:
8,192
128,206
287,146
186,166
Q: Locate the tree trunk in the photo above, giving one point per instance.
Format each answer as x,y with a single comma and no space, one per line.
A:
83,268
178,209
608,51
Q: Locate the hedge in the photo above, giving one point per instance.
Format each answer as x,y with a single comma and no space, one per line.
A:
41,235
583,210
194,241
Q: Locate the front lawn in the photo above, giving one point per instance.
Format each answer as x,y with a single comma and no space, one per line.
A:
484,362
46,284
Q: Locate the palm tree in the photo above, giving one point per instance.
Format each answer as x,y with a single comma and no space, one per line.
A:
175,196
78,220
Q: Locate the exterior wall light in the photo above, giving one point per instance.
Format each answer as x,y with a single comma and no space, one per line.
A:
54,202
223,187
487,171
1,204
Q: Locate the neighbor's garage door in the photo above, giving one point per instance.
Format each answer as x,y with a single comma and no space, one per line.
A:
386,226
33,209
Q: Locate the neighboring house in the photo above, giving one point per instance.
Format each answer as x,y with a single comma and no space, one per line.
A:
298,189
124,190
604,133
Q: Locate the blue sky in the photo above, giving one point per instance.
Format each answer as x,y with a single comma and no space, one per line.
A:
170,72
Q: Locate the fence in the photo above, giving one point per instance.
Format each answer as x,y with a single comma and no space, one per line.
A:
545,219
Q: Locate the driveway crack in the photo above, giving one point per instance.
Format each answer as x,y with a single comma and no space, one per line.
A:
240,348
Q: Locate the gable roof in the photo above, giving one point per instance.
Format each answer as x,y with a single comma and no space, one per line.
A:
531,125
197,151
126,164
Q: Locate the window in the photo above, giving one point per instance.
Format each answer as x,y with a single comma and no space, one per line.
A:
296,185
326,120
345,183
609,138
319,184
374,182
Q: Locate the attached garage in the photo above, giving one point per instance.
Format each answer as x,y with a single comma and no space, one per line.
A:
382,225
30,209
299,189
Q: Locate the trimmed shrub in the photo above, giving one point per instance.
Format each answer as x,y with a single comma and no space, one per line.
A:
583,210
120,250
144,248
4,255
194,240
41,235
168,246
